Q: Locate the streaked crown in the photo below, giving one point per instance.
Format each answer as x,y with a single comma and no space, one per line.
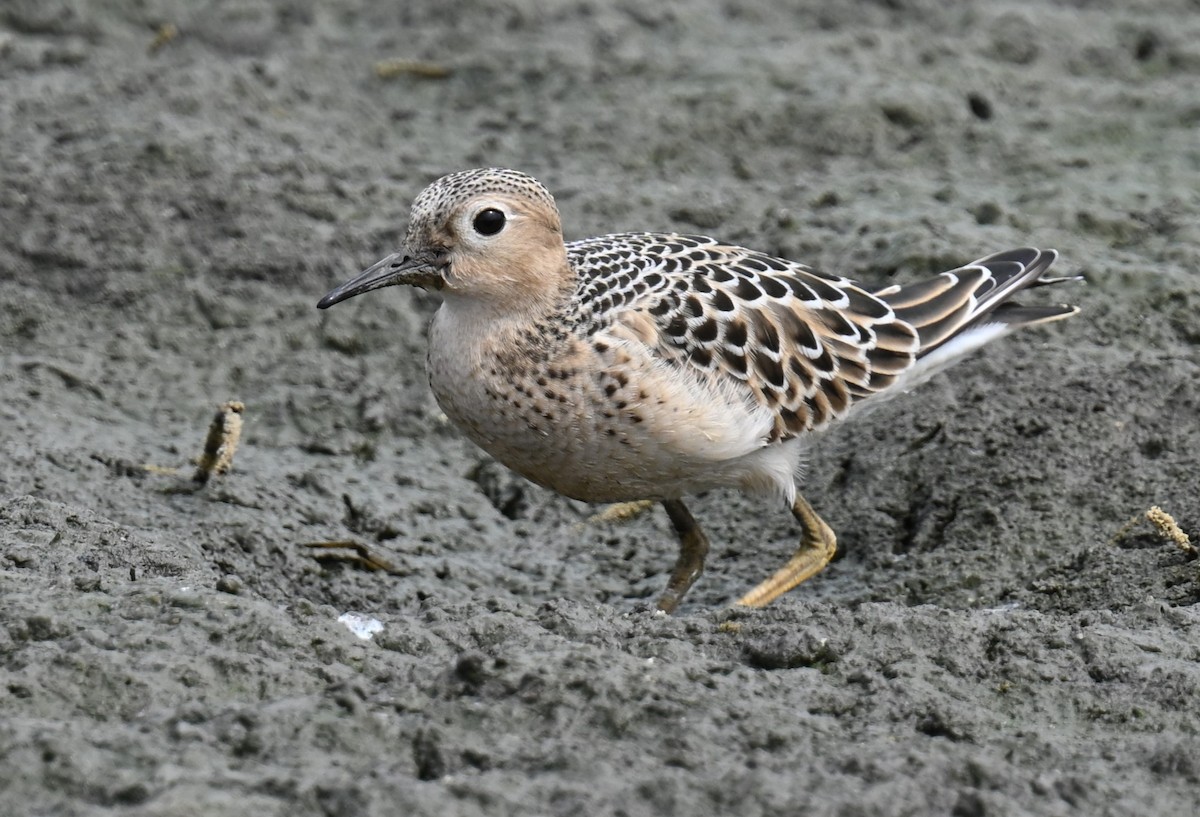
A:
438,203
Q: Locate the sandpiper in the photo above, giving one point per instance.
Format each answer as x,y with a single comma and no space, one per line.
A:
651,366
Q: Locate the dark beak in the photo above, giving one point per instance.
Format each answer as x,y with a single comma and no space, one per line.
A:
422,270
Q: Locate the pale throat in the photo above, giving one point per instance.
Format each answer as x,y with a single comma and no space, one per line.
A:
471,333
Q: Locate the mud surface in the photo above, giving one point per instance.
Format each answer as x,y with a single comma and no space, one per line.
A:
986,644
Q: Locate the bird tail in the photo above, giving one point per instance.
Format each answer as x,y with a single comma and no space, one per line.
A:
956,312
976,295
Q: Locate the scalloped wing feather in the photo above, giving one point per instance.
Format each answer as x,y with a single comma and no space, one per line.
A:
801,344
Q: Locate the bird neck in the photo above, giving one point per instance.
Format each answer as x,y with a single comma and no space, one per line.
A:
473,335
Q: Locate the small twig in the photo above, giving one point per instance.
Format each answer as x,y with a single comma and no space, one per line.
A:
361,557
390,69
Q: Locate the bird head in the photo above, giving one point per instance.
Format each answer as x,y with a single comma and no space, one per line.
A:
491,235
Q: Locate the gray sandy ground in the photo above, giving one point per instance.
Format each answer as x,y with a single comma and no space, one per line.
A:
983,646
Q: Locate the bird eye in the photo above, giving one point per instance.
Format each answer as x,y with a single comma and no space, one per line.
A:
489,221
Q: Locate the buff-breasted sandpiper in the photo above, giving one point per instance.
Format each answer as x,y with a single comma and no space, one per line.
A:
651,366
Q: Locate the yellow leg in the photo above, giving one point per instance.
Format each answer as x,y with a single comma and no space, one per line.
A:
620,513
817,546
693,548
